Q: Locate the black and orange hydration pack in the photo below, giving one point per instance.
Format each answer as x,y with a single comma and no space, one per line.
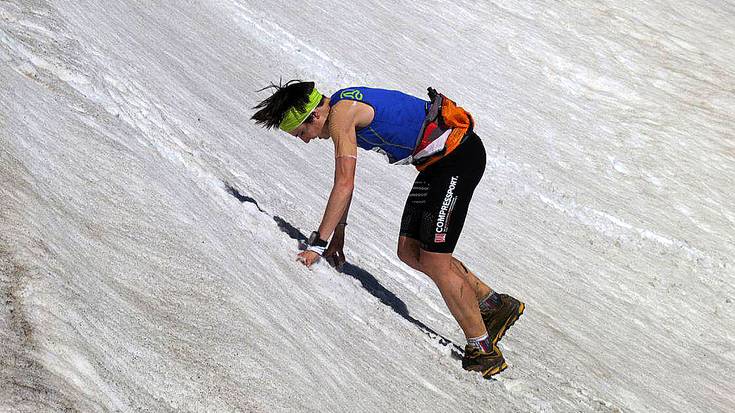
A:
445,127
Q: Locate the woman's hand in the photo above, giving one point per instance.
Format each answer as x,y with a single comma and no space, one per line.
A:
308,257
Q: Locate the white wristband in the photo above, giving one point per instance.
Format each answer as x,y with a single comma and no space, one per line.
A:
317,249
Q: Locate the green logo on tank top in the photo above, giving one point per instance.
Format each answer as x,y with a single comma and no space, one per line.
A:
351,94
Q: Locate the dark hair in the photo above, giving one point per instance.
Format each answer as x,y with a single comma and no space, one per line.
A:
272,110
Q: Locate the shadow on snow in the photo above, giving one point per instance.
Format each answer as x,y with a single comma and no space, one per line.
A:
367,280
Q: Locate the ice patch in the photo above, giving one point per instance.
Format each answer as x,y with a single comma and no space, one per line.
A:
652,179
619,166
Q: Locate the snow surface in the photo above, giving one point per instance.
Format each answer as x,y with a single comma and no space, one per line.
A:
132,279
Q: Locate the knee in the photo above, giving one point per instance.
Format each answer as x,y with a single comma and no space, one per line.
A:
408,257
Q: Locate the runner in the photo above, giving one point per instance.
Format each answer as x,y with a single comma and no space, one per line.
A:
437,137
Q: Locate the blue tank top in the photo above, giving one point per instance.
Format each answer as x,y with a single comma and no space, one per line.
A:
398,119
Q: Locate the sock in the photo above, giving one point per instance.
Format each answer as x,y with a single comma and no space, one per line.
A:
483,343
490,302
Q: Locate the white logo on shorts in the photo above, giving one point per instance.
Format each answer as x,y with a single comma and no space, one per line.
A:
442,221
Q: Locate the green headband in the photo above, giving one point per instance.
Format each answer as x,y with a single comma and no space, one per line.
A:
294,117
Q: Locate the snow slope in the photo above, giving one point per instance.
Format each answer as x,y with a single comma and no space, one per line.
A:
131,278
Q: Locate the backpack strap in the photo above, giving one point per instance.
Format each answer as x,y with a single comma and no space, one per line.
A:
432,129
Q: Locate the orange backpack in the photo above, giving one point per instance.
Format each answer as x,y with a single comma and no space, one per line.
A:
445,127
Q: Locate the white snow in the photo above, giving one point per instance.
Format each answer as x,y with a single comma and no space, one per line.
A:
132,280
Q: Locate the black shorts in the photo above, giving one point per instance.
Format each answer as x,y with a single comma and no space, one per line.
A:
437,204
